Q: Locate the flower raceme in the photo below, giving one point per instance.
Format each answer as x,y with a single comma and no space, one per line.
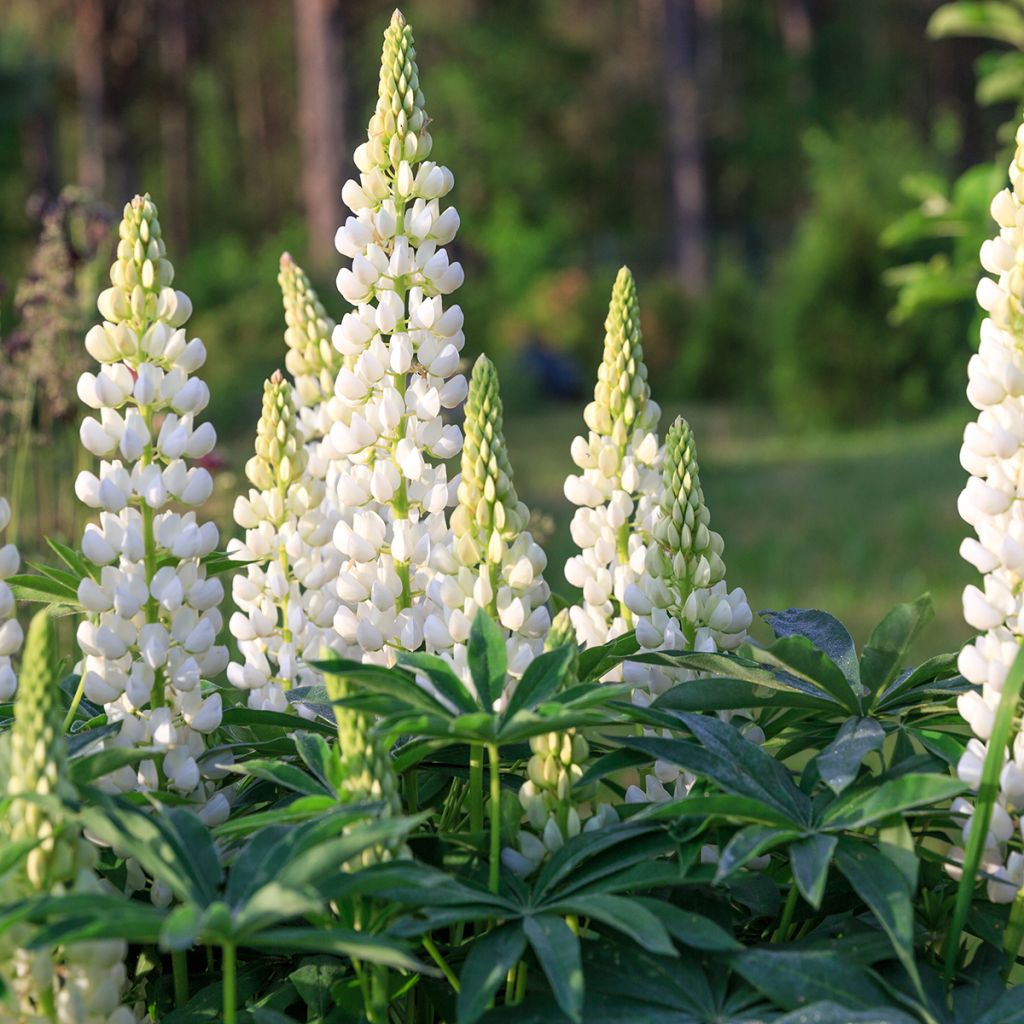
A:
149,636
681,603
494,564
10,630
81,983
401,347
285,597
616,490
991,504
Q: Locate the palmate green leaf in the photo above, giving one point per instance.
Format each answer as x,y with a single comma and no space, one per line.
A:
734,778
748,843
594,662
273,719
69,579
739,809
557,948
171,845
489,961
272,904
689,928
43,590
722,694
102,762
941,744
839,763
216,563
487,658
299,810
726,744
543,677
793,978
341,942
833,1013
623,915
796,654
72,559
824,631
207,1005
906,688
809,860
866,806
600,870
881,885
441,674
890,642
92,916
181,928
317,757
287,776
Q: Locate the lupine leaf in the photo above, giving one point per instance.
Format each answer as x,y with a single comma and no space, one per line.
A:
489,961
824,631
890,642
839,763
809,860
557,948
487,659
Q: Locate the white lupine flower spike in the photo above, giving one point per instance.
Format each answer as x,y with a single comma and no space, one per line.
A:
312,359
148,638
79,983
401,348
681,603
286,601
991,504
619,480
10,630
497,567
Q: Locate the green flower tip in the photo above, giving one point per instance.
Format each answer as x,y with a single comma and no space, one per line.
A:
280,457
488,504
312,359
622,395
398,129
691,549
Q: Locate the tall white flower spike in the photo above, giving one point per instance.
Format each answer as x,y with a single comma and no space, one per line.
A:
991,503
682,602
10,630
79,983
286,595
619,480
149,636
402,347
496,565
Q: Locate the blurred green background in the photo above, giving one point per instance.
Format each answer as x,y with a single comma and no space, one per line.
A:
799,186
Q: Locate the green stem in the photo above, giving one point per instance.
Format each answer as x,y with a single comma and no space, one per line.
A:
1014,931
179,962
435,954
495,858
75,701
521,983
229,983
476,788
787,914
988,793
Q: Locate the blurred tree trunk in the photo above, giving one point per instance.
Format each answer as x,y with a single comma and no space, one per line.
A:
172,43
89,49
319,44
681,33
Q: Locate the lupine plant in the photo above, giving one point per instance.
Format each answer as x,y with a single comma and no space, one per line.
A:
417,791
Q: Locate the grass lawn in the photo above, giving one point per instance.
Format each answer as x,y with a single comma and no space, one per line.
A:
852,523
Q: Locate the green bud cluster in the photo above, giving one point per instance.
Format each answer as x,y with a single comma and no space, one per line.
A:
622,395
312,359
367,771
687,551
141,274
398,129
489,513
281,456
38,759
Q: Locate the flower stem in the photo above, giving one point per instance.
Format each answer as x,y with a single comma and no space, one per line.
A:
988,792
435,954
179,963
495,858
75,701
787,914
229,983
476,788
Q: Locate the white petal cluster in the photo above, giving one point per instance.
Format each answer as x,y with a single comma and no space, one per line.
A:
991,503
616,490
494,565
10,630
401,347
285,598
312,359
149,635
682,602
